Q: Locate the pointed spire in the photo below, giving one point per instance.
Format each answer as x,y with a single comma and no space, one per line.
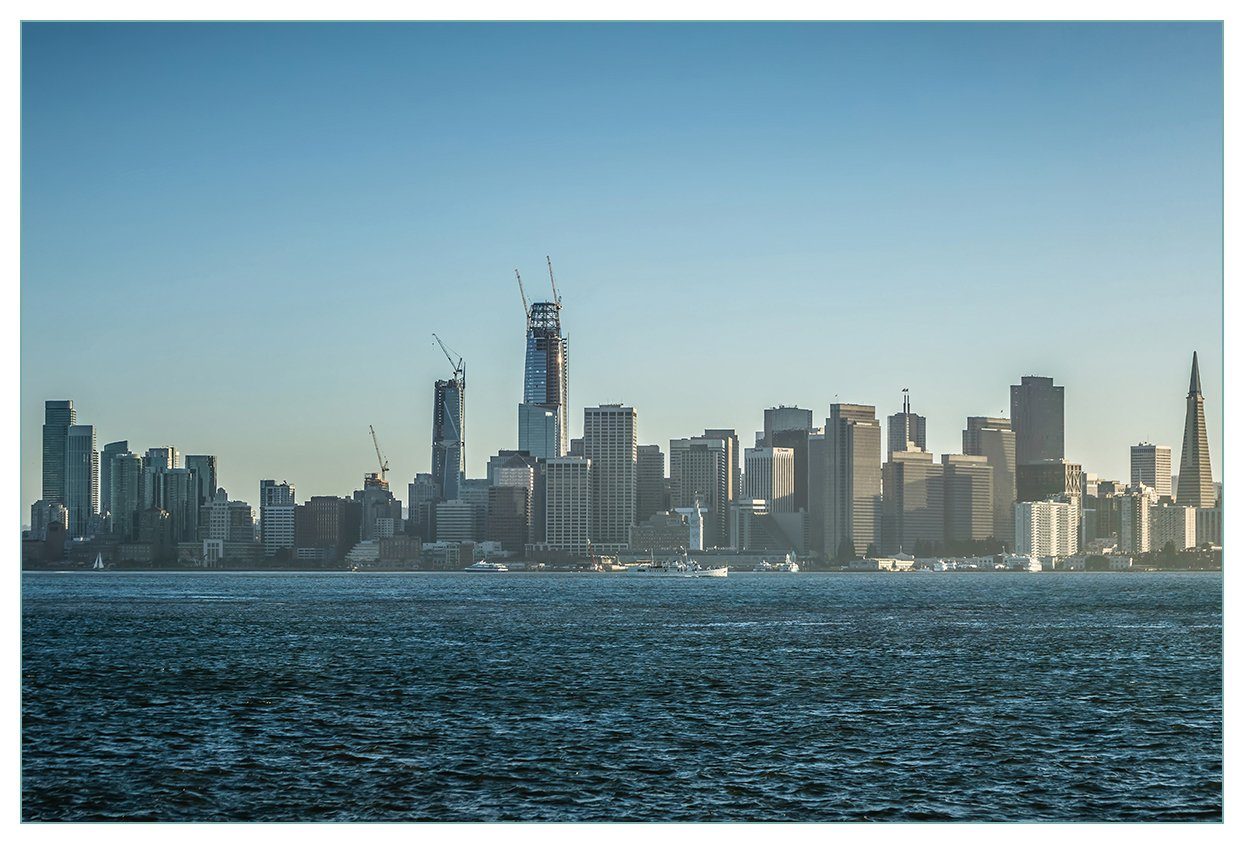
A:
1194,385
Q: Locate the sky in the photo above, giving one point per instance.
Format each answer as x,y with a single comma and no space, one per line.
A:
237,239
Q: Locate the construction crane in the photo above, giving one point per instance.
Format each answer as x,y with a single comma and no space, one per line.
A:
557,298
384,464
523,293
459,367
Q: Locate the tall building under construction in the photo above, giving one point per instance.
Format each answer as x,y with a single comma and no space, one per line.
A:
542,416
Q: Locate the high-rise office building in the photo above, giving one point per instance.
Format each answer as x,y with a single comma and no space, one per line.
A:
568,510
769,475
449,436
204,468
1196,478
326,527
784,418
853,476
126,494
1151,466
797,442
1039,481
45,513
57,417
539,432
734,471
276,516
81,478
991,437
905,427
913,501
649,483
1037,419
609,441
421,507
109,451
543,428
180,494
156,461
700,471
818,489
507,520
969,498
380,511
455,521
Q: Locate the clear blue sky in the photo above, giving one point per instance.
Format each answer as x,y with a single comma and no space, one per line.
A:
237,239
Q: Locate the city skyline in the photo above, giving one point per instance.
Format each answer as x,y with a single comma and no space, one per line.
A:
249,314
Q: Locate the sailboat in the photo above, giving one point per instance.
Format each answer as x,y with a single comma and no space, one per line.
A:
99,563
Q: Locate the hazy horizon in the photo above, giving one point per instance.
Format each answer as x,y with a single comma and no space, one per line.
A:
237,239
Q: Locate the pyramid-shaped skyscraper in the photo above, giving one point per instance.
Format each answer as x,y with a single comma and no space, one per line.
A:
1196,480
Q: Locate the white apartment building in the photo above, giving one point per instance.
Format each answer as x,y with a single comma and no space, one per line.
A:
1046,528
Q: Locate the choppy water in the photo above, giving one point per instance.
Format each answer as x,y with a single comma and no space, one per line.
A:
810,697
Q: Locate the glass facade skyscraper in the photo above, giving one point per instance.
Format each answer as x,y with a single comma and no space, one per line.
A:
542,420
57,417
449,437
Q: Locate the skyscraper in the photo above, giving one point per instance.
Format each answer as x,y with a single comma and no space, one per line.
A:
769,474
609,441
204,468
276,516
57,417
913,502
155,462
1037,419
110,451
969,498
991,437
1151,466
784,418
448,436
853,476
904,427
568,499
700,471
180,494
649,482
81,478
126,494
1196,479
542,419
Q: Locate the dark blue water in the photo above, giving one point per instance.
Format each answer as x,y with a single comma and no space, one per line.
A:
810,697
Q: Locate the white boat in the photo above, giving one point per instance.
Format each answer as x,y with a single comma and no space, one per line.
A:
483,565
99,563
677,567
789,566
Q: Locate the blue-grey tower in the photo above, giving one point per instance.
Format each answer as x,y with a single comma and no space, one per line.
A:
449,430
542,417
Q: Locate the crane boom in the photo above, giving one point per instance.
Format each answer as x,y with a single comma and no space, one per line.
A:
459,368
557,299
523,293
384,464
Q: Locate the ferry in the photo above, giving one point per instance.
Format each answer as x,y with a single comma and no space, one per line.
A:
677,567
486,566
